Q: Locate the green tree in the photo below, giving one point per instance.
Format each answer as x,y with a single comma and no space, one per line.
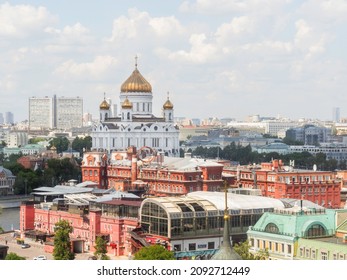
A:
154,252
242,249
14,257
82,144
36,140
62,244
61,143
101,248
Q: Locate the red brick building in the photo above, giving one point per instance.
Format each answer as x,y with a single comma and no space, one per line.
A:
279,181
155,174
111,219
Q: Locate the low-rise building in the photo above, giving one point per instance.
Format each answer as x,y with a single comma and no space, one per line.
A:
111,216
7,180
152,173
279,181
299,233
192,225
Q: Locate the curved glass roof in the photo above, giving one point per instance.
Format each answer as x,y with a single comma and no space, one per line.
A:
214,202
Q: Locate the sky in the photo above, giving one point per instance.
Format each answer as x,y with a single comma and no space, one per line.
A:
216,58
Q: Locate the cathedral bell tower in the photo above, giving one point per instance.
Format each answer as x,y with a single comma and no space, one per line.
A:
127,108
168,110
104,110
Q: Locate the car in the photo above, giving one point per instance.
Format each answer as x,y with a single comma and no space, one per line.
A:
40,258
25,245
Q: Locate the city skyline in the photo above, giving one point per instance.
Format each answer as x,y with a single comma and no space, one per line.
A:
230,59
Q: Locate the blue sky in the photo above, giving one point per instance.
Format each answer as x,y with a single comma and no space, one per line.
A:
226,58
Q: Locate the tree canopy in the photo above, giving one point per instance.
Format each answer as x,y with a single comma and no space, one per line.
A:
62,244
14,257
245,155
242,249
154,252
101,248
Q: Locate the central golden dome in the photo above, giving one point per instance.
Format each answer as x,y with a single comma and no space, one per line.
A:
136,83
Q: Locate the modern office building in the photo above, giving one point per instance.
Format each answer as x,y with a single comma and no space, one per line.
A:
336,115
55,112
68,112
9,118
309,134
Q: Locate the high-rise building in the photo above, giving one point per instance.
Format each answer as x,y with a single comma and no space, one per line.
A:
9,118
55,112
69,112
1,118
41,112
336,114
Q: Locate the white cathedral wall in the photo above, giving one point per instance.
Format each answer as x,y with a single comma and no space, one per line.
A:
121,140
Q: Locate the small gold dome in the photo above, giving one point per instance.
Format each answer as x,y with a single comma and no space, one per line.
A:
104,105
168,105
136,83
127,104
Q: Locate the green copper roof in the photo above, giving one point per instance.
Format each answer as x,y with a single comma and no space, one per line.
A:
293,223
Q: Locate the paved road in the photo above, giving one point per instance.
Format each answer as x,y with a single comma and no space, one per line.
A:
35,249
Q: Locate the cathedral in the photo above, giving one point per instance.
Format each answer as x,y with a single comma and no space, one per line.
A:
135,125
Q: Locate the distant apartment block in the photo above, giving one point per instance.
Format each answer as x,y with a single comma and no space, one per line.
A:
9,119
55,112
336,115
16,139
1,119
309,134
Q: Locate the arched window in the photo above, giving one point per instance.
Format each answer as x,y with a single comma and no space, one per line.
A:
271,228
128,116
106,116
315,230
170,116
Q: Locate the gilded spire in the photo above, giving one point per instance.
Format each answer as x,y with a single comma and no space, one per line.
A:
226,251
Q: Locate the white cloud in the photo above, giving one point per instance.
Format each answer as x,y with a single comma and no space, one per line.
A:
144,28
23,20
97,69
324,11
7,84
264,7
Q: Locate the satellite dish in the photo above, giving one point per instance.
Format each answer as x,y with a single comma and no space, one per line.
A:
315,167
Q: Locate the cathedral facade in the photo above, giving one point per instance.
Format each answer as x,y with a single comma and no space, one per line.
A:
135,125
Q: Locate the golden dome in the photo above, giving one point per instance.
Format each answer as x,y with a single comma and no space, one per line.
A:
127,104
168,104
136,83
104,105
